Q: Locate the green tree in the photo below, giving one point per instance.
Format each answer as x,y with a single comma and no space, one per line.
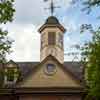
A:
6,15
91,57
91,51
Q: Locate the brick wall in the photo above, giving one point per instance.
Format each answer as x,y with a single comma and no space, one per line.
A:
30,97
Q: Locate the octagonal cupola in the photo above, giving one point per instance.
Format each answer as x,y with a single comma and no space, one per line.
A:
52,33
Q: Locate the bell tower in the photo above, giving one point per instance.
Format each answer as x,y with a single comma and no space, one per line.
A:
52,34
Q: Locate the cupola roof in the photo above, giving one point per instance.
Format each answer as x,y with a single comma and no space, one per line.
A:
52,21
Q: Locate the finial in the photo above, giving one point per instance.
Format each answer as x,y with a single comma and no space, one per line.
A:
52,7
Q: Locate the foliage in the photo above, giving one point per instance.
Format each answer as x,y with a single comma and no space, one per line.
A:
91,57
5,45
6,15
91,52
6,11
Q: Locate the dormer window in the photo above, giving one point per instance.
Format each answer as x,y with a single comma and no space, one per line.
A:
11,74
51,38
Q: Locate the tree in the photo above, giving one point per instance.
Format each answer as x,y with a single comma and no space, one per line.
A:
91,52
91,57
6,15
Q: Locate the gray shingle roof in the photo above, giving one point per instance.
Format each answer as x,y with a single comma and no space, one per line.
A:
75,68
26,67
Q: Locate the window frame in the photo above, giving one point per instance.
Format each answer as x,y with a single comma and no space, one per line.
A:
14,75
60,40
51,38
52,72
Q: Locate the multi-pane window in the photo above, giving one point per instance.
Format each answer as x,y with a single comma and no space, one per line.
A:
11,74
51,38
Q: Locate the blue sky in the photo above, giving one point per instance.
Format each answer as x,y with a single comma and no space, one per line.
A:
30,15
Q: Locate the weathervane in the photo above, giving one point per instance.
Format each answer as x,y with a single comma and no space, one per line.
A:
52,7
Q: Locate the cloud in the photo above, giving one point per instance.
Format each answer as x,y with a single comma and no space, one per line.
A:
29,11
29,15
27,42
32,11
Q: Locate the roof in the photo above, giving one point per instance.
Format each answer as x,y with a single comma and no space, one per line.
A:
75,68
26,67
52,21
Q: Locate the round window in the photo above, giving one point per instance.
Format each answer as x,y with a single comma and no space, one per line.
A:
50,69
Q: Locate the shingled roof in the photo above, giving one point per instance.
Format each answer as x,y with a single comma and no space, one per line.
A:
75,68
26,67
52,21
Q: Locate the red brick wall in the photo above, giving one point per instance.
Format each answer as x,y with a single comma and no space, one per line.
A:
8,97
42,97
50,97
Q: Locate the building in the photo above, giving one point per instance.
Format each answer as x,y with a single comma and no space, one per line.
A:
49,79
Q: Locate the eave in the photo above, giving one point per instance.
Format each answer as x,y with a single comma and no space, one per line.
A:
43,90
51,26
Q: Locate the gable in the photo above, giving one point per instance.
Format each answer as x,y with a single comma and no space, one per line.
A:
41,78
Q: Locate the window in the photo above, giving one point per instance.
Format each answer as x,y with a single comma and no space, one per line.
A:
51,38
42,40
41,43
50,69
11,74
60,40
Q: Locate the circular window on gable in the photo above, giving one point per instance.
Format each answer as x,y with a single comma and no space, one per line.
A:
50,69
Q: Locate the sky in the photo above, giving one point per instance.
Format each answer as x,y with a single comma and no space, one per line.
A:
31,14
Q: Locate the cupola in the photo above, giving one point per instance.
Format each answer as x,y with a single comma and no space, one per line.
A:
52,34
